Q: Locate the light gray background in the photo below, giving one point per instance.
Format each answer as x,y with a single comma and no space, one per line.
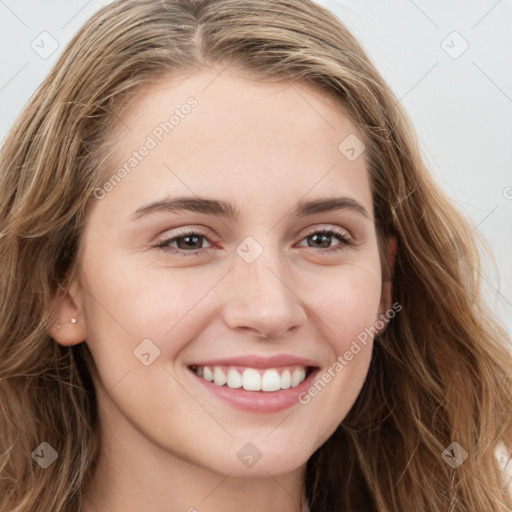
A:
460,102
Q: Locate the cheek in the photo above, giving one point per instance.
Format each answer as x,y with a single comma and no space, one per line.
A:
348,304
126,304
346,312
127,299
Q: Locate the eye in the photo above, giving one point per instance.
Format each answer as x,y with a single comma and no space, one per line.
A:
324,237
190,243
185,241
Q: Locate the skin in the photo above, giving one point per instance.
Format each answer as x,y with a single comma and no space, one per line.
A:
168,444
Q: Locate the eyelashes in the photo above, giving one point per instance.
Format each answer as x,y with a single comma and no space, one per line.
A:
194,235
165,244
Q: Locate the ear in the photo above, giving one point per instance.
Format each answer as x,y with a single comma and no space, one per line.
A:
68,324
387,287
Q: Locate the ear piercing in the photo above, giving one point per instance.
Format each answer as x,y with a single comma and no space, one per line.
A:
58,326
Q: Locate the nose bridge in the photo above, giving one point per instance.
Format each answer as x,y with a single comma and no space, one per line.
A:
261,298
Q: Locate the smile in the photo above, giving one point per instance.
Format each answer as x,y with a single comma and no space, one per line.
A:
253,379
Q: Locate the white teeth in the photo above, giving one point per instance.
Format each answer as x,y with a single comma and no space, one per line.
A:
252,379
219,377
285,379
297,376
207,373
270,381
234,379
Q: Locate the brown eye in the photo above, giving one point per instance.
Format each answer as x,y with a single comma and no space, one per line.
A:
189,243
322,239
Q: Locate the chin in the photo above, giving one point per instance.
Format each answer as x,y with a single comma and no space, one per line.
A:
261,458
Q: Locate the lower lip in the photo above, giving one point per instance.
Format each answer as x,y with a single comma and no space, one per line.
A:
258,401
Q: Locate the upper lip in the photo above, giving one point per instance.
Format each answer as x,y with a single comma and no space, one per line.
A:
255,361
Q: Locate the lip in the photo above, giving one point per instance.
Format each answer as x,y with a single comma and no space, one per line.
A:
255,361
257,401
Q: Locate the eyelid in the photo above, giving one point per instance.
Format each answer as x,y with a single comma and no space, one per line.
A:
328,227
187,230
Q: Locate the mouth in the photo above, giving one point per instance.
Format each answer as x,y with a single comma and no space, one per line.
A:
253,383
266,380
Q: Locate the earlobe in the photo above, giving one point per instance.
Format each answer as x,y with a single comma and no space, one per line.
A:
68,325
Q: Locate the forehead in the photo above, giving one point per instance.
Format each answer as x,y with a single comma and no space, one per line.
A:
275,138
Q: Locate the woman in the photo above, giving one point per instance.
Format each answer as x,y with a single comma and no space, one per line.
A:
172,336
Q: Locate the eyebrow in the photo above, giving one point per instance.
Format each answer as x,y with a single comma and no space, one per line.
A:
226,209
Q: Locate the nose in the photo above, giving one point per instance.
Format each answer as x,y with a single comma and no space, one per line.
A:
262,299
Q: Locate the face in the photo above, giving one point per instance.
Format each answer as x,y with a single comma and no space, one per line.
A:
252,271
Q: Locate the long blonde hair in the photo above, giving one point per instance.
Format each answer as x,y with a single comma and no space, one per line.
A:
439,374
